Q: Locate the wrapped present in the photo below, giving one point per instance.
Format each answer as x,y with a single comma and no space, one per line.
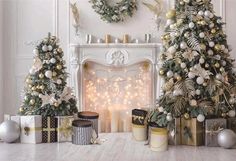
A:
213,127
191,132
64,129
49,129
139,124
232,124
159,139
31,129
174,137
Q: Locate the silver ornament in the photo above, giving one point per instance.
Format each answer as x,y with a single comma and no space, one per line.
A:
211,44
9,131
191,75
183,45
53,60
200,13
49,48
200,80
48,74
45,48
35,51
200,118
169,117
210,52
198,92
183,65
202,35
170,74
191,25
219,76
231,113
226,138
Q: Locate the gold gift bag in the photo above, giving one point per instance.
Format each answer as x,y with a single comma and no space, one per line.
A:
191,132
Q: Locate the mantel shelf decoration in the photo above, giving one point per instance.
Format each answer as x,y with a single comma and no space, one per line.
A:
115,13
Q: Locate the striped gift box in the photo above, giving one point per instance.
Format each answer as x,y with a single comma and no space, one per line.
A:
81,132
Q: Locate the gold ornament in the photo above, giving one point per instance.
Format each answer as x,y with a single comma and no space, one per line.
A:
186,116
207,65
21,109
203,46
222,69
161,72
42,87
59,67
217,46
223,114
54,74
33,88
203,22
170,14
41,75
167,37
30,85
217,65
32,101
179,78
213,31
59,50
56,104
28,80
205,84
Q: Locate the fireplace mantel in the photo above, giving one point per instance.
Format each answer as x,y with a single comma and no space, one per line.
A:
114,55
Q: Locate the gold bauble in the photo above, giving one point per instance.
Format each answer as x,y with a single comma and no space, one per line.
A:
167,37
59,67
21,109
30,85
205,84
203,22
217,47
186,116
162,37
54,74
203,46
33,88
222,69
178,78
223,114
170,14
32,101
161,72
41,75
28,80
207,65
42,87
213,31
217,65
56,104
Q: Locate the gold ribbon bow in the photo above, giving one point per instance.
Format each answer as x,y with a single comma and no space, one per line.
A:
27,130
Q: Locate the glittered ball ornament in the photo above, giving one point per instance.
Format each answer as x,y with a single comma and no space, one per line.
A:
217,65
217,47
200,80
32,102
232,113
201,60
200,118
45,48
191,75
193,102
200,13
169,74
170,14
186,116
198,92
161,72
202,35
9,131
210,52
41,75
183,65
48,74
59,67
183,45
59,81
49,48
191,25
53,60
35,51
226,139
169,117
219,76
171,50
211,44
207,13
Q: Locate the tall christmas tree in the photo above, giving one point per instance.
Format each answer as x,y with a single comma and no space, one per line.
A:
46,92
197,69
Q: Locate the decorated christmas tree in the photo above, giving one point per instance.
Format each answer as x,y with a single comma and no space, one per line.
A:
46,92
199,78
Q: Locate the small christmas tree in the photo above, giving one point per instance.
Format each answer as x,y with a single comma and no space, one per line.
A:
197,68
46,92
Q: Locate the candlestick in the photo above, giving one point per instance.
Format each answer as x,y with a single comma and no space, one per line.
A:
126,38
108,38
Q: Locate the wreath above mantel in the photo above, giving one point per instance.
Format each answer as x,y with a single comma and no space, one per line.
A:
115,13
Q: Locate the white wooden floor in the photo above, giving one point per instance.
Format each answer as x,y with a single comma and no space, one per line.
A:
118,147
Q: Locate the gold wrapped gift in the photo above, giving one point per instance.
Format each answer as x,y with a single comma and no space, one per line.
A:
191,132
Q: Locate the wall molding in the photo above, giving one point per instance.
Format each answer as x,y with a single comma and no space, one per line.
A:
55,17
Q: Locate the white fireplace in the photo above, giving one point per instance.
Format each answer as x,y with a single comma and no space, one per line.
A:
113,79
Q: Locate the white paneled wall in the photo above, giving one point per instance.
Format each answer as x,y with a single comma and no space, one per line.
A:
25,21
1,65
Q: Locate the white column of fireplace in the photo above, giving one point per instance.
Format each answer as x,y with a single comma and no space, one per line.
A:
114,61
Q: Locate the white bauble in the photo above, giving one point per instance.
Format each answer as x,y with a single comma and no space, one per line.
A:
172,26
48,74
207,13
177,92
200,118
186,1
211,25
222,47
202,35
35,51
53,60
160,109
231,113
200,13
193,102
169,22
198,92
226,51
9,131
59,81
49,48
191,25
171,50
169,117
183,65
177,34
183,45
186,34
211,44
223,63
219,76
169,74
45,48
32,71
165,112
210,52
200,80
201,60
40,95
226,138
211,15
191,75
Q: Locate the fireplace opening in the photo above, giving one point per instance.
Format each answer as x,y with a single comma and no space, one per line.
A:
113,91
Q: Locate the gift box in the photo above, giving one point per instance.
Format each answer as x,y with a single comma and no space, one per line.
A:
174,136
49,129
31,129
139,124
191,132
64,128
213,127
232,124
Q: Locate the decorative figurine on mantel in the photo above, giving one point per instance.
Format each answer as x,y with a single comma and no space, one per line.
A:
75,13
200,79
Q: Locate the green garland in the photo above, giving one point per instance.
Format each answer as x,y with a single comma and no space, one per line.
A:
115,13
